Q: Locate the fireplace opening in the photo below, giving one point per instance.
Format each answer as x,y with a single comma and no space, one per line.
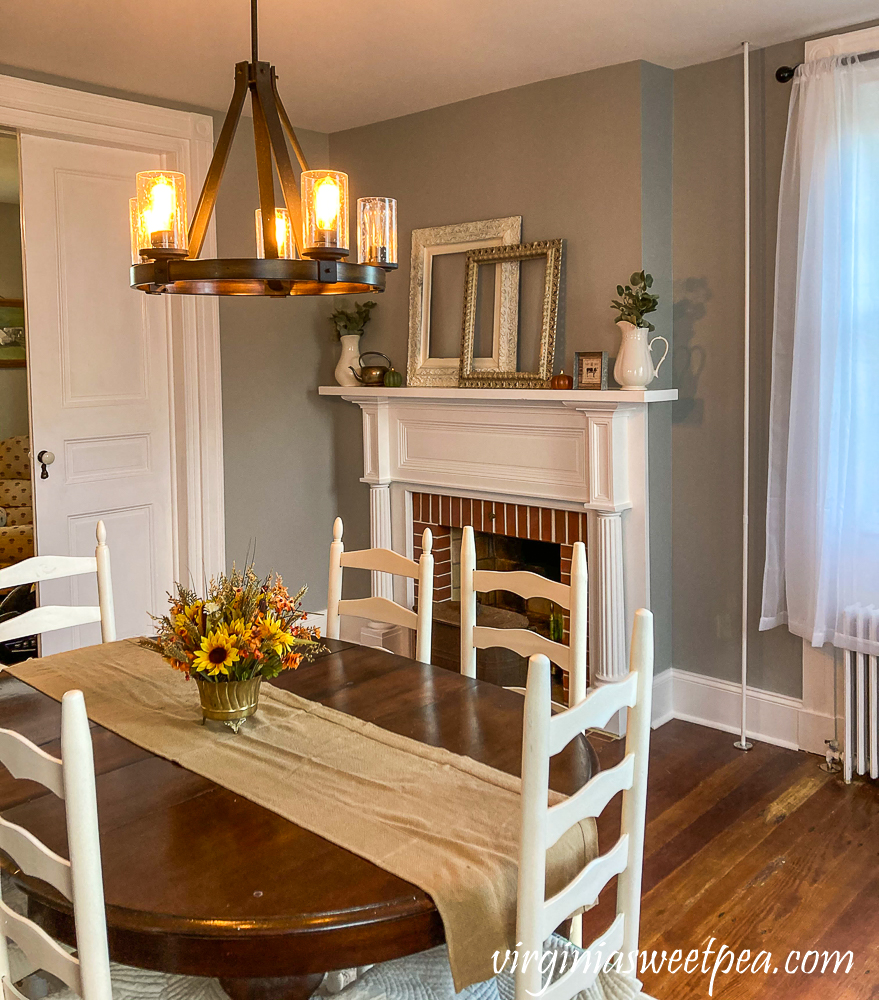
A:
509,536
506,554
500,608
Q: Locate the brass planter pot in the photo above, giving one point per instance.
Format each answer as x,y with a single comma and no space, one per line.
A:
229,701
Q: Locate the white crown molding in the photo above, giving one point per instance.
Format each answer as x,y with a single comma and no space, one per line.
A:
185,142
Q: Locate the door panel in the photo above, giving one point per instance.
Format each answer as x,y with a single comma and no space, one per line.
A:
99,372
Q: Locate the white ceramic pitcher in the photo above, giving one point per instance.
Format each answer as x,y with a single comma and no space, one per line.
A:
634,365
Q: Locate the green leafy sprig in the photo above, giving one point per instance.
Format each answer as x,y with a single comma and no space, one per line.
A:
635,300
353,321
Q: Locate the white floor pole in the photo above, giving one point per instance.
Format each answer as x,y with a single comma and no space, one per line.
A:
743,743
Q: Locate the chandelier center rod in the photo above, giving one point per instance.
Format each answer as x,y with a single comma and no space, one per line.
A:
254,33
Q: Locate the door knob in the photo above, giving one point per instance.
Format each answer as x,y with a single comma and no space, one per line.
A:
45,458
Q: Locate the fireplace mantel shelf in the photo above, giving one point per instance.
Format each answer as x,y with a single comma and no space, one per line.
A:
569,397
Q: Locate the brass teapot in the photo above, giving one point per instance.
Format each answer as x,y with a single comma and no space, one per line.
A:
371,374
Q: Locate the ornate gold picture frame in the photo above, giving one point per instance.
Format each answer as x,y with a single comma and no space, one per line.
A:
472,377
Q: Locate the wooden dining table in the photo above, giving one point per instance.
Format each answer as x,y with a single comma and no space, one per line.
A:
201,881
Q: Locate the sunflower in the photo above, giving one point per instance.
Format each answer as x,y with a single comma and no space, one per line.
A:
272,630
216,655
237,627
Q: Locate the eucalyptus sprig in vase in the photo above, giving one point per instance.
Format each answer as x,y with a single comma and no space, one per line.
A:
350,325
245,630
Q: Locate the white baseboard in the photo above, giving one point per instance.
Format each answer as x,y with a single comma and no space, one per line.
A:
707,701
772,718
663,702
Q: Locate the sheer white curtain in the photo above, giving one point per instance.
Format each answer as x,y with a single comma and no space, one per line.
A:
822,515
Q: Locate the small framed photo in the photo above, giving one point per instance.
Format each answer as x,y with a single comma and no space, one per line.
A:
590,370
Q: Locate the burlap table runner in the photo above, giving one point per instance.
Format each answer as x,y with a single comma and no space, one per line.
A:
444,822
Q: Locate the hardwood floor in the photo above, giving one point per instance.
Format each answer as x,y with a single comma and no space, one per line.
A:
760,851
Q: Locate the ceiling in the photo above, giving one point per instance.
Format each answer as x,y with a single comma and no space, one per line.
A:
8,169
349,63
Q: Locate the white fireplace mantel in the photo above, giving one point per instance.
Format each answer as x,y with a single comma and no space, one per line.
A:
571,449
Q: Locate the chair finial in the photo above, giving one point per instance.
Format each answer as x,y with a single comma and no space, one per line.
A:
101,533
337,530
427,541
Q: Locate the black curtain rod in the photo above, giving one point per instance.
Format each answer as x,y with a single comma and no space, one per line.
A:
784,74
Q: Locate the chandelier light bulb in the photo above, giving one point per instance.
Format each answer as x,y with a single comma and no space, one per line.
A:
283,235
327,201
162,203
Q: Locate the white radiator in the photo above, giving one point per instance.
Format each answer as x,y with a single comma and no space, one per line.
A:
861,695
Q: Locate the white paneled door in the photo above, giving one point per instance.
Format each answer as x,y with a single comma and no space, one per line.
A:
99,357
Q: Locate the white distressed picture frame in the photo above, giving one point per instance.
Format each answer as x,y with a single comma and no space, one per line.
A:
423,368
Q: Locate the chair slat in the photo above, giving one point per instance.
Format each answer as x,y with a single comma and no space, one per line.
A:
592,713
584,889
47,619
381,561
590,800
523,642
9,992
523,583
34,858
37,944
611,941
40,568
380,609
27,761
585,971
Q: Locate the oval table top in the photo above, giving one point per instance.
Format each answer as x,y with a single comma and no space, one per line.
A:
201,881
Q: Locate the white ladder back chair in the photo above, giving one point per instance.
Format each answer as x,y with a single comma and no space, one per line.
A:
382,608
572,658
545,735
73,779
48,618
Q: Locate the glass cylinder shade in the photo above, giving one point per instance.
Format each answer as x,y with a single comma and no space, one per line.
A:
137,236
283,235
377,231
161,208
325,213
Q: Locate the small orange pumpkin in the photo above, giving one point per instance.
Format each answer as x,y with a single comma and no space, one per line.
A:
561,381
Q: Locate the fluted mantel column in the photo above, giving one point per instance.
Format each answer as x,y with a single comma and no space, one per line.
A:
380,535
610,596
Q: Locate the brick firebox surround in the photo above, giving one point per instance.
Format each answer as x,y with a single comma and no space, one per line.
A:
442,513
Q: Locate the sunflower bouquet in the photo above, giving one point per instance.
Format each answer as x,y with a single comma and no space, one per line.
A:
245,628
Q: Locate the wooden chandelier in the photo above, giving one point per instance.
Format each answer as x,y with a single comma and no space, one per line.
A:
303,244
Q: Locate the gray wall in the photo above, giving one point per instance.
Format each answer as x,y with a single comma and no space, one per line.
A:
279,452
657,114
709,359
574,157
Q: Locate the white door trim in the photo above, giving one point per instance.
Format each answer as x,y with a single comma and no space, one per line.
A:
185,142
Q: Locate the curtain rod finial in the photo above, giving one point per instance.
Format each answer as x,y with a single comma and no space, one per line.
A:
784,74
